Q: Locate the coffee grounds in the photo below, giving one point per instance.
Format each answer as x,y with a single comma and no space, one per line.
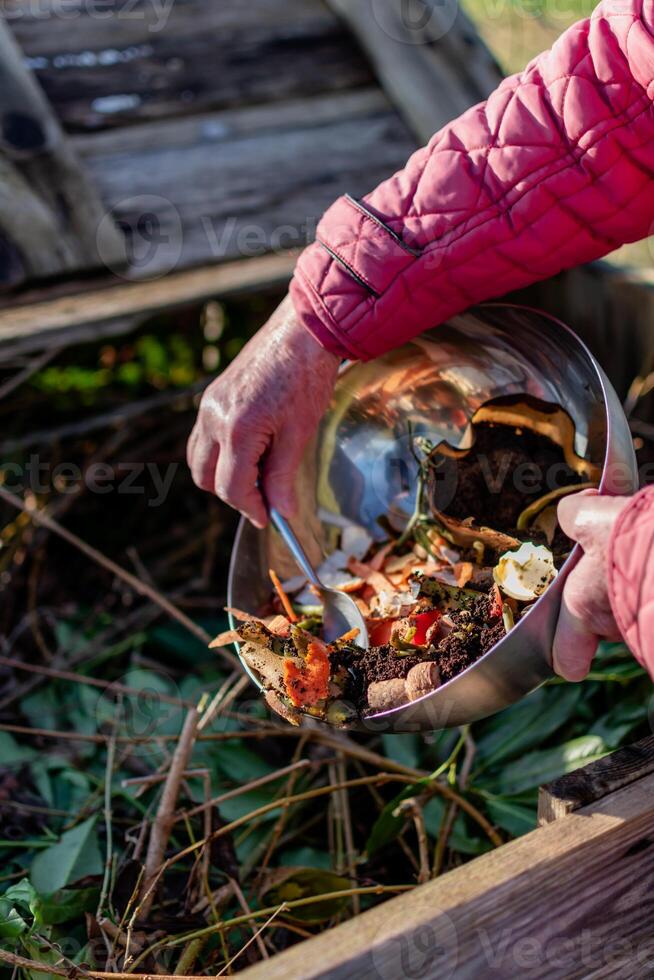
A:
364,667
473,635
496,480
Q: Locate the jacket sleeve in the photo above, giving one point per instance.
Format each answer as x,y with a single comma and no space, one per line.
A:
553,170
631,575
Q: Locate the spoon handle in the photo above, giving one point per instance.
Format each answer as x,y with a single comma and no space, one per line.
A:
294,546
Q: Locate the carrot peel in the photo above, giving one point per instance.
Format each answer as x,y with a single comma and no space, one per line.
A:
283,598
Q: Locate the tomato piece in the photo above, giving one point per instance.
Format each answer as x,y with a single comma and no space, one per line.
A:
423,623
496,604
379,634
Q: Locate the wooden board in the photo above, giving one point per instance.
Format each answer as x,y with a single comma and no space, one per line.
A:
145,60
240,183
592,782
117,309
427,55
51,218
573,899
611,309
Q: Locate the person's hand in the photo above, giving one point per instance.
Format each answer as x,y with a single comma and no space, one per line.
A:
586,616
256,418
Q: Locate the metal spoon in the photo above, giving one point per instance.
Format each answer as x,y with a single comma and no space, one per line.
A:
340,611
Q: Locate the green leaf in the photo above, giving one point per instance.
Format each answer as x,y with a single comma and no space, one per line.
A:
527,724
403,749
515,818
306,857
240,764
387,826
290,884
68,905
460,839
20,910
74,856
540,767
13,754
614,726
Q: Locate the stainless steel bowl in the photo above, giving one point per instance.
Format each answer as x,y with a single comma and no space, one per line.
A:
360,468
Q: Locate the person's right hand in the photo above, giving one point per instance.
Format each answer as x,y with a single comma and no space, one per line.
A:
257,417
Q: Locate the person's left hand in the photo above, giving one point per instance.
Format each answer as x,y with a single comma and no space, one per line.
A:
586,616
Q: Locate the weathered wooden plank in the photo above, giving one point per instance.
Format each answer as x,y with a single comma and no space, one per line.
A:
160,59
426,54
592,782
236,184
612,310
48,208
573,899
95,313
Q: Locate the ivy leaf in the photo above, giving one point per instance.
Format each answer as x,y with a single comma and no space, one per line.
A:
20,910
74,856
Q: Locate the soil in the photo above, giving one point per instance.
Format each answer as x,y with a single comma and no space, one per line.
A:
375,664
501,458
473,635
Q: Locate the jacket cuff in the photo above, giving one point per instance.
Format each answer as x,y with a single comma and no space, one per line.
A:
630,580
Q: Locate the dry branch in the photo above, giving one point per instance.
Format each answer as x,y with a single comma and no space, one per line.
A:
165,818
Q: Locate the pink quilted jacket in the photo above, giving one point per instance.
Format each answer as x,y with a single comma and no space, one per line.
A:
553,170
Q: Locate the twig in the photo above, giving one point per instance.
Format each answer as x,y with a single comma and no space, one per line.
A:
260,913
245,788
348,834
108,779
412,807
443,836
108,687
47,969
257,937
281,819
380,779
164,820
141,588
34,365
246,908
159,777
117,416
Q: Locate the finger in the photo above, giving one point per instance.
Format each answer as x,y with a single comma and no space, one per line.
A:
202,456
574,644
280,471
236,479
585,516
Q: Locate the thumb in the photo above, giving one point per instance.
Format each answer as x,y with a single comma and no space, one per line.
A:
280,470
574,645
587,517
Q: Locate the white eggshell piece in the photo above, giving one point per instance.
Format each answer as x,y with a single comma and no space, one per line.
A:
525,574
